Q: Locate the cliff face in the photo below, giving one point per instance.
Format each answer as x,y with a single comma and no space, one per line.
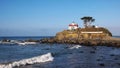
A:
83,33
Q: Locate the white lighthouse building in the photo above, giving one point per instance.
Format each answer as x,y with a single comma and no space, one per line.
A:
73,26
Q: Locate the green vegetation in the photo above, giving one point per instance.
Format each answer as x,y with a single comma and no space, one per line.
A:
87,21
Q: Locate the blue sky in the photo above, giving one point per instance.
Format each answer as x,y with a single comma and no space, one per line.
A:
47,17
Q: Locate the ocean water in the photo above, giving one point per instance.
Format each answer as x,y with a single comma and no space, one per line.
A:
24,37
65,56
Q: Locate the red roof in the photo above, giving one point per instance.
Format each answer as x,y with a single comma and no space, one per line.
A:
73,25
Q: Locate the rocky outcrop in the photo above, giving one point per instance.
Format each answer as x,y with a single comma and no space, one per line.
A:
84,33
85,42
92,37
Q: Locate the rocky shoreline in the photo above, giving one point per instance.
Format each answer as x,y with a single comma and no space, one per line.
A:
115,42
111,41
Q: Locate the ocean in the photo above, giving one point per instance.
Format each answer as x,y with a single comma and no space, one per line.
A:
24,37
57,55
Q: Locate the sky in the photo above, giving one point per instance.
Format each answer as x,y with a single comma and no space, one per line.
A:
47,17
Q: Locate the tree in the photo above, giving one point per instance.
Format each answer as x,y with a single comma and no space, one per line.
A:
87,21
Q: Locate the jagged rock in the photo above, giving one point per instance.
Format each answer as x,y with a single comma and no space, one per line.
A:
85,36
84,33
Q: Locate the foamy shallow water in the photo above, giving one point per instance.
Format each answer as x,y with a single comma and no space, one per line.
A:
43,58
65,56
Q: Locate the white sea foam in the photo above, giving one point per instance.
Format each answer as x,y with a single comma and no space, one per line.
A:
75,47
43,58
26,43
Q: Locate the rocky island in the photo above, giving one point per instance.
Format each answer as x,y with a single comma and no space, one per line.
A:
90,35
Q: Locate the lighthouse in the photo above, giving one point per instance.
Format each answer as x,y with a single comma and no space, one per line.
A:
73,26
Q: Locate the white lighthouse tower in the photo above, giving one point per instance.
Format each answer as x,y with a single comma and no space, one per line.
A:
73,26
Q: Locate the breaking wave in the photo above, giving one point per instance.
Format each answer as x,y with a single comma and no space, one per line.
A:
43,58
75,47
